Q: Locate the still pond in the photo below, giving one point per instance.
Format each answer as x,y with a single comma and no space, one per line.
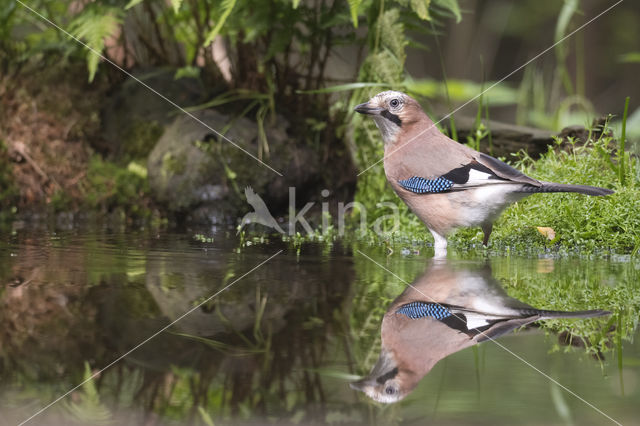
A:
293,326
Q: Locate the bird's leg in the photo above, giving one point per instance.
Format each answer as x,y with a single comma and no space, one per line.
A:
440,244
486,228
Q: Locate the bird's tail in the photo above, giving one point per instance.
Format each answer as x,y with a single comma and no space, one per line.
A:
563,187
544,314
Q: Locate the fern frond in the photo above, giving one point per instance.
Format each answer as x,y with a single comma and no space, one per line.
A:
87,408
132,3
94,27
354,7
452,6
227,7
421,8
392,34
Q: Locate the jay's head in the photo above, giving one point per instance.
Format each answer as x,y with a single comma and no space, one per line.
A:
387,382
392,111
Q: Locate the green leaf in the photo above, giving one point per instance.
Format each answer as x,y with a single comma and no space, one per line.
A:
137,169
187,72
452,6
463,90
354,6
342,88
560,403
132,3
631,57
86,408
296,3
568,10
336,374
421,8
176,5
94,27
206,418
227,7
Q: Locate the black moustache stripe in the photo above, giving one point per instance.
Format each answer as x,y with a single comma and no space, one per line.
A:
390,375
391,117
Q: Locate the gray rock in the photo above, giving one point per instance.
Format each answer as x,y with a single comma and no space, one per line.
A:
192,170
134,117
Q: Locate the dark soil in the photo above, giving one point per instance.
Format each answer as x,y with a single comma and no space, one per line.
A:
46,117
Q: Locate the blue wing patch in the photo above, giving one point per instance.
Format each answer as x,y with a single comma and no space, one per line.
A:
415,310
423,186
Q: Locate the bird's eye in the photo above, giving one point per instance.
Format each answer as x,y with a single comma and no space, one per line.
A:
389,390
394,103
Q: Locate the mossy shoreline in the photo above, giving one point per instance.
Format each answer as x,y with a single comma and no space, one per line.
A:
87,184
582,225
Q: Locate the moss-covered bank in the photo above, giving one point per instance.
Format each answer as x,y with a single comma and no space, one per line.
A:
580,224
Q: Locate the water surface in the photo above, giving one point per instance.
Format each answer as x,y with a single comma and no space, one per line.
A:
281,344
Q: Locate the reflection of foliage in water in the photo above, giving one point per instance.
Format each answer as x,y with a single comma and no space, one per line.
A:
577,286
85,406
289,337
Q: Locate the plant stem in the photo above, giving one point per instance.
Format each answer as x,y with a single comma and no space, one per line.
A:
580,75
486,114
377,38
619,351
621,154
452,122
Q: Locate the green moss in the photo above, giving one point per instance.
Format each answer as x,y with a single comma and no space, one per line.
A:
582,223
385,64
140,138
110,187
60,201
174,165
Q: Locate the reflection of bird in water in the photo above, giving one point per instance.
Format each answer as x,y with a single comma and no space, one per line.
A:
443,312
260,214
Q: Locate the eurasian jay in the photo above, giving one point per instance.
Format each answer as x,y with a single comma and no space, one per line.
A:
446,184
444,311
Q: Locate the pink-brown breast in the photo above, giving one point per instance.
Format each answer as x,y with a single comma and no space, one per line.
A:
421,150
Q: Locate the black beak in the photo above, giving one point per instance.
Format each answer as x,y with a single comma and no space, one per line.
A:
362,384
365,108
385,368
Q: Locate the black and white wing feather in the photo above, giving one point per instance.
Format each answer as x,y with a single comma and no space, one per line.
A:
471,175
